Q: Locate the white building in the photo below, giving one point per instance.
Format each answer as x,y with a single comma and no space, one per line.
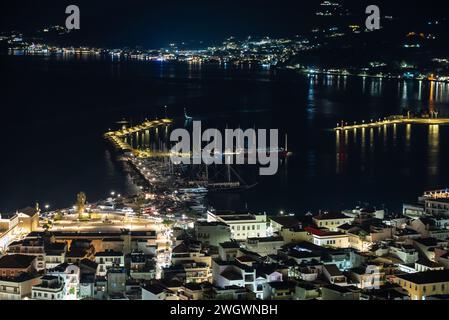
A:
51,288
325,238
55,254
243,225
108,259
70,275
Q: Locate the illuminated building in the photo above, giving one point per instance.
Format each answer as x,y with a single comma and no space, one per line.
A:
14,264
108,259
243,225
17,288
212,233
70,275
50,288
325,238
424,284
331,221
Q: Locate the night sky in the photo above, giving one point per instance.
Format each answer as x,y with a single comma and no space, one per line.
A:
156,23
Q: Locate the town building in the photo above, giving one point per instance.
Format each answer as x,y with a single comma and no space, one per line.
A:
50,288
108,259
326,238
331,220
14,264
278,223
242,225
32,247
70,275
18,287
421,285
264,246
212,233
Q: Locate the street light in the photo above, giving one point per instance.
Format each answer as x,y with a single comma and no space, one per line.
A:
47,206
112,193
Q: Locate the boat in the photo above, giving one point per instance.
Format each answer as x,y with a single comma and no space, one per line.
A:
198,190
229,187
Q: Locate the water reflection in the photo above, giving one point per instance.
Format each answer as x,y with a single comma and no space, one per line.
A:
431,97
389,148
311,99
433,150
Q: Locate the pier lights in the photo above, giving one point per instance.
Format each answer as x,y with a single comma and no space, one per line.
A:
363,121
281,212
119,195
112,193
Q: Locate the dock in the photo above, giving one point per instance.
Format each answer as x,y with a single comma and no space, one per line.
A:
116,138
392,120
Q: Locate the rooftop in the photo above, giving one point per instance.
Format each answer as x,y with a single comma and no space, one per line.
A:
286,221
322,232
210,224
109,253
330,216
333,270
231,275
341,289
28,211
427,242
230,245
16,261
266,239
426,277
283,285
